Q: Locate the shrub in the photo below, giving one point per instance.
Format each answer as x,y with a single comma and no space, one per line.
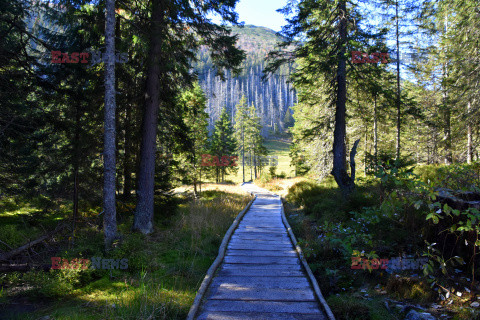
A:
465,177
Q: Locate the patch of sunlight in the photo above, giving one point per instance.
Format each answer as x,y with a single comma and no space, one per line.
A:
20,211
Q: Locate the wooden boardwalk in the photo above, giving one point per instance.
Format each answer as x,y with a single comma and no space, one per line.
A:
261,276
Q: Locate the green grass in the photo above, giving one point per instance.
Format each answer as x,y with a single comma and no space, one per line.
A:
275,147
23,220
164,271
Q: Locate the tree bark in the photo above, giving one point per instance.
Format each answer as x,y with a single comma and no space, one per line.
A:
109,187
398,101
353,152
469,136
339,172
76,165
447,134
127,166
375,129
195,194
143,220
243,152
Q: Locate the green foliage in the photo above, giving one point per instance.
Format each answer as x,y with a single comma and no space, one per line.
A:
272,170
410,288
288,119
223,144
458,177
193,102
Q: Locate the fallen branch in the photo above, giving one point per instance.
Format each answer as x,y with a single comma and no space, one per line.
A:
14,252
23,267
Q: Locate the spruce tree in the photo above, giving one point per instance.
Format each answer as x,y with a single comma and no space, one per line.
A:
193,103
241,117
177,31
223,144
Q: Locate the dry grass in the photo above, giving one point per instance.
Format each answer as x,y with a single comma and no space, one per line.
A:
279,186
228,188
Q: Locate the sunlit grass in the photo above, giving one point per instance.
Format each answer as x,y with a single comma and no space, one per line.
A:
275,147
164,271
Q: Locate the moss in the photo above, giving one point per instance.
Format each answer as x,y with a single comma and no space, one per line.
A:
410,288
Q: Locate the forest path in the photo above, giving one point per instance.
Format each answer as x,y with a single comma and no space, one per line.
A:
261,276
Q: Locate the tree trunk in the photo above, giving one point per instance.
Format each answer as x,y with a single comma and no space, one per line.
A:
76,165
375,129
251,166
194,177
469,136
243,153
398,102
143,221
339,172
365,153
447,134
127,168
109,186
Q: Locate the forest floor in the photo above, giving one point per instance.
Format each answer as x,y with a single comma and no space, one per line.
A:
164,270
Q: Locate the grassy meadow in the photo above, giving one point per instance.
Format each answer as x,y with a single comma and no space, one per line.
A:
164,272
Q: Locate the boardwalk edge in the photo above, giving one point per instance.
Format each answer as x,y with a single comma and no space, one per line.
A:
221,254
311,277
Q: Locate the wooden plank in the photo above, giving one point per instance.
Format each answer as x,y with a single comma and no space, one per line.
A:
309,307
240,293
262,260
262,253
262,282
258,271
258,316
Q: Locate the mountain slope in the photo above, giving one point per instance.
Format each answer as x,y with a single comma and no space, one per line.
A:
271,98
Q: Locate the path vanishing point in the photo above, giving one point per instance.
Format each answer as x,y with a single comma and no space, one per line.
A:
261,276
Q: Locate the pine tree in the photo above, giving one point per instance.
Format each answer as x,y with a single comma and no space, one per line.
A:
253,140
109,187
223,144
288,119
177,31
240,128
193,103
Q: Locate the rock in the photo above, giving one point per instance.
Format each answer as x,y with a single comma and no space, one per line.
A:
400,308
414,315
475,304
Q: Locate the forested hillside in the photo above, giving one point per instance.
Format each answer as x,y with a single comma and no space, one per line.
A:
272,97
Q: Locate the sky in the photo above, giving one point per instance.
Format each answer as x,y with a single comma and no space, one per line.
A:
261,13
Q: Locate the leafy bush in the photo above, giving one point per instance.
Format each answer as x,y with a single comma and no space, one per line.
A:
465,177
